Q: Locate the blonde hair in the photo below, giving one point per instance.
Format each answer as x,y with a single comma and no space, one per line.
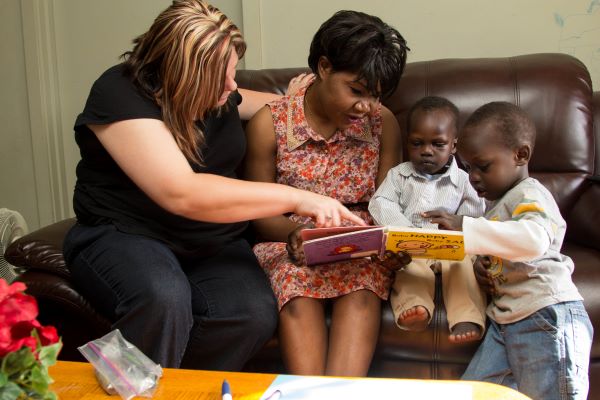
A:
181,63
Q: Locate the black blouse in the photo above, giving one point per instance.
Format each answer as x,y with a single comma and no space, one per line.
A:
105,195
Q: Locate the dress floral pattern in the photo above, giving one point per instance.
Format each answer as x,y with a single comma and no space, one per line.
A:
343,167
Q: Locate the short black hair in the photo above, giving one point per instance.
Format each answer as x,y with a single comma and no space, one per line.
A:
362,44
512,123
432,103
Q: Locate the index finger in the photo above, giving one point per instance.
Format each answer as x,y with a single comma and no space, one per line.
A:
348,216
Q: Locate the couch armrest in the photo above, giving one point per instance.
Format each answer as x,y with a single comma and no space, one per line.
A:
49,281
61,306
41,249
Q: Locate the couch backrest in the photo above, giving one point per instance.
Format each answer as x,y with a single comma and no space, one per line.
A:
555,89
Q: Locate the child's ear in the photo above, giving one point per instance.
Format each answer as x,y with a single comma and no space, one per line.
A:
523,154
454,145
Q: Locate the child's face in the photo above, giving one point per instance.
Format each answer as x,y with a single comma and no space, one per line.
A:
431,140
493,167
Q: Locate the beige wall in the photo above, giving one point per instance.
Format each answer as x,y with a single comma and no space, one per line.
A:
436,29
16,167
54,49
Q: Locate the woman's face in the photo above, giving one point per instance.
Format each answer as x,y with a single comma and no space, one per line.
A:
344,99
230,84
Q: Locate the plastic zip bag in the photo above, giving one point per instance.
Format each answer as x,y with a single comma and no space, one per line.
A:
121,367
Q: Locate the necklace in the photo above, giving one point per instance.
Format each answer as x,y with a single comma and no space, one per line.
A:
307,103
314,116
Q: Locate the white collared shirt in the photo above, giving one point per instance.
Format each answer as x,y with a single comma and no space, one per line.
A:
405,194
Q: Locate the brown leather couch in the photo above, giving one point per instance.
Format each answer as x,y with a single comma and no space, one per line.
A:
554,89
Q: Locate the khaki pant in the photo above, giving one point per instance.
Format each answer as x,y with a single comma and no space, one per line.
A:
415,286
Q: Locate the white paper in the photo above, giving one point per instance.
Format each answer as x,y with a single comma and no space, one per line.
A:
291,387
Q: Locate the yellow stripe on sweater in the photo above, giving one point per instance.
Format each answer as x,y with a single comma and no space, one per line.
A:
527,207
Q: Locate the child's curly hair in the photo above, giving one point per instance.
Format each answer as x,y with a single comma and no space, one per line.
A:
511,122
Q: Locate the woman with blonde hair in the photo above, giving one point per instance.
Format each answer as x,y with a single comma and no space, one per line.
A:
158,244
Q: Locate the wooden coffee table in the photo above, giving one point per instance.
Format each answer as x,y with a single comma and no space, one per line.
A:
74,380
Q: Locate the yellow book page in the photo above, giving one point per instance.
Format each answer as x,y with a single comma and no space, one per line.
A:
426,243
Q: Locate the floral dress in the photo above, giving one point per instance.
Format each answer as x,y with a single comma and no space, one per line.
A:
343,167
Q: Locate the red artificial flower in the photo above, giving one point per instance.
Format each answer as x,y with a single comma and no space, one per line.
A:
18,312
48,335
15,344
23,339
6,289
17,307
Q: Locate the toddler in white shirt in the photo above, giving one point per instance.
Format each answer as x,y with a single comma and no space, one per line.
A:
432,180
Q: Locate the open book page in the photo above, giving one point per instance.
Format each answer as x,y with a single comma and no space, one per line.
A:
426,243
325,245
291,387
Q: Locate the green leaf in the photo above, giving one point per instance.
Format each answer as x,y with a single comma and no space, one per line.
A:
50,396
11,391
23,377
40,380
48,354
17,361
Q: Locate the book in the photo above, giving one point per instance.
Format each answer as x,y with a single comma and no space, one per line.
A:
325,245
426,243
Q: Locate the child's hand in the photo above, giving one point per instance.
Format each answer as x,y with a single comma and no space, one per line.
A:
444,220
393,261
294,244
482,274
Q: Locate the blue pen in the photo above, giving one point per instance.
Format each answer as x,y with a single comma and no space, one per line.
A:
225,390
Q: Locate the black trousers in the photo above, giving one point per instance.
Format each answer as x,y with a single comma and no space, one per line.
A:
212,313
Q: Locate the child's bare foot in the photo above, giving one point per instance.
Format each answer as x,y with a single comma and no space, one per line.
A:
464,332
415,318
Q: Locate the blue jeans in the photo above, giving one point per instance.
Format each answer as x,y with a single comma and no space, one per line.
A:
207,313
545,356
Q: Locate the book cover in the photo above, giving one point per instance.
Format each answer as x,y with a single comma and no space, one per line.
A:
426,243
325,245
